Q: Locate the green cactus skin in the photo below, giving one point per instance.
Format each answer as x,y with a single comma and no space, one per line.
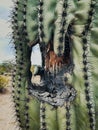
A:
85,40
40,22
60,23
94,62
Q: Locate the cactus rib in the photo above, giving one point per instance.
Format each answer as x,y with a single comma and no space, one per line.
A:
89,99
68,121
63,29
42,116
41,31
42,48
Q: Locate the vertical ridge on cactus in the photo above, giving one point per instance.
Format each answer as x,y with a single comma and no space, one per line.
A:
42,117
41,31
68,123
89,96
93,53
60,24
66,97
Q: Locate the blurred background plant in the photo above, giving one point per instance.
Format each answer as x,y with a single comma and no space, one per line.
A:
5,75
6,67
4,81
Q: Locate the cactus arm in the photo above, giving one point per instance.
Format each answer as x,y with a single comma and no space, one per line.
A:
17,90
22,73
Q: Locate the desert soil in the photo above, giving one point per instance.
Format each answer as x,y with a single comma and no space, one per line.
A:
7,114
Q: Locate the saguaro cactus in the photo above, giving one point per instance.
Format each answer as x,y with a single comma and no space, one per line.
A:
67,96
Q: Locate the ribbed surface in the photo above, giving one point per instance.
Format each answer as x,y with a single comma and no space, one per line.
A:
72,27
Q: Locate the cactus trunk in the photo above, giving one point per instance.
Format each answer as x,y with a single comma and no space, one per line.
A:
66,31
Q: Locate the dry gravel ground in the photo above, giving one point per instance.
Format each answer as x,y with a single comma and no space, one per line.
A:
7,114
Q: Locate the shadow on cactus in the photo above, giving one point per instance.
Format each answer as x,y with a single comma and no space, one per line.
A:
65,96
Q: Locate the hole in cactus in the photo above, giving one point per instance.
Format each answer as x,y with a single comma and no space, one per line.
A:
36,63
36,56
49,83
